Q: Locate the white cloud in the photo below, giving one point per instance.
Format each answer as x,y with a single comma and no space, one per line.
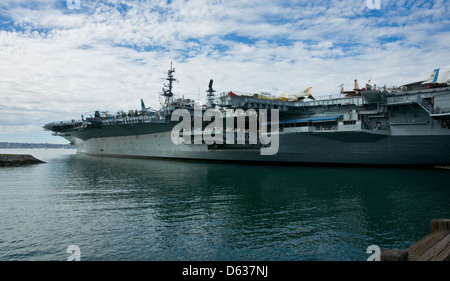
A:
58,63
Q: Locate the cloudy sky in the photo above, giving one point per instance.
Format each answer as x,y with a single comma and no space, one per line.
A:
60,59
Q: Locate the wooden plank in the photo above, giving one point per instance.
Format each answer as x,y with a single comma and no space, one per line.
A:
438,252
424,244
440,224
433,247
393,255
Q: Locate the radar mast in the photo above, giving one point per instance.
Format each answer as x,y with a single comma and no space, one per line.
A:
210,96
167,89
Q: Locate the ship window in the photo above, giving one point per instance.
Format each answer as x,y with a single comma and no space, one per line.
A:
301,124
351,122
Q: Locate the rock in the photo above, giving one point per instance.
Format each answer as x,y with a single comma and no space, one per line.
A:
18,160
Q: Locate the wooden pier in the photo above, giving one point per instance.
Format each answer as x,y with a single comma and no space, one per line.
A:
433,247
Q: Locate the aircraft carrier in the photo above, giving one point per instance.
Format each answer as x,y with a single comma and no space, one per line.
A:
404,125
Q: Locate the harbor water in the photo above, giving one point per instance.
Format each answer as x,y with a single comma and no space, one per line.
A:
156,210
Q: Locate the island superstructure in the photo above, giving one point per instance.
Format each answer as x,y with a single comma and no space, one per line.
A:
405,125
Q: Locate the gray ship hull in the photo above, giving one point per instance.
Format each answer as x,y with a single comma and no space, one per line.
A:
354,148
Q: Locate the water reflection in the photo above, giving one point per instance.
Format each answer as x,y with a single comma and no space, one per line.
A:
132,209
213,206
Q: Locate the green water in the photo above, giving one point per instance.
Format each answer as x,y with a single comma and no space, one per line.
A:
130,209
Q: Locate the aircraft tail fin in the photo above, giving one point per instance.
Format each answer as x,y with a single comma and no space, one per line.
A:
442,78
308,93
433,78
143,105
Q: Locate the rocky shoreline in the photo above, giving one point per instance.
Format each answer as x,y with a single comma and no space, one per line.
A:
7,160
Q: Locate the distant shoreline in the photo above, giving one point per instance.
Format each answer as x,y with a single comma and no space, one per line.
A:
16,145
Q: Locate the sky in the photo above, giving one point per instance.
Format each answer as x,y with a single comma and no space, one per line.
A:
60,59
